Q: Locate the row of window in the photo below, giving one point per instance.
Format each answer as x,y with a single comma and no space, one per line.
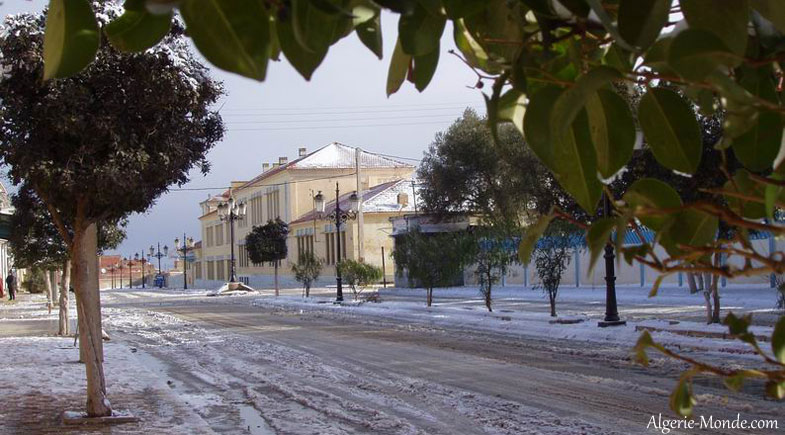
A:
215,235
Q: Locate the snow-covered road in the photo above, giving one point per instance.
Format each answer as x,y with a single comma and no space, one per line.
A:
317,371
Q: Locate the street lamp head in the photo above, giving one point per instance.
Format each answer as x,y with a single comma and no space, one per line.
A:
166,250
152,251
318,201
354,202
241,210
176,242
190,242
136,256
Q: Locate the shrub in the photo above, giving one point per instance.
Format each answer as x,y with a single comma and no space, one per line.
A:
307,271
358,275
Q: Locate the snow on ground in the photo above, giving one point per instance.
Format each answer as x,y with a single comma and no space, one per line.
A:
459,309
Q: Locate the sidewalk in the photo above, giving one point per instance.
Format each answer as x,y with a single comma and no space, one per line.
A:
40,378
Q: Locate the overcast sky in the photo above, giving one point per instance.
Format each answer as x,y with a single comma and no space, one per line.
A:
269,119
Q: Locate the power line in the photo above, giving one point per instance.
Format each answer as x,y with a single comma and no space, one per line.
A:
283,183
337,126
351,112
345,119
278,109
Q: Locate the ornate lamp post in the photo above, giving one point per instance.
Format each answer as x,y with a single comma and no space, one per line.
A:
142,261
120,266
188,245
611,309
337,216
157,254
130,260
231,211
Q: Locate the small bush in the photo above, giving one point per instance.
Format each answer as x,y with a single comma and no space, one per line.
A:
359,275
35,281
307,271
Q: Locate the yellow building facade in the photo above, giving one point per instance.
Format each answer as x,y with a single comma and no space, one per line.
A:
285,190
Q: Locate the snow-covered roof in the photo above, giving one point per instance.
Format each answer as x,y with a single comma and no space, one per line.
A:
382,198
333,156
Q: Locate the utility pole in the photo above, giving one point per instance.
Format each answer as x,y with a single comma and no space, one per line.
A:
360,241
384,271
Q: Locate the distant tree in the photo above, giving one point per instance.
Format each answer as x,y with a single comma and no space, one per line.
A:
358,275
267,243
466,170
307,270
495,253
433,260
551,258
101,144
35,280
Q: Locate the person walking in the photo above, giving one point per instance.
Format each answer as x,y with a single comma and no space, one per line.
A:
10,282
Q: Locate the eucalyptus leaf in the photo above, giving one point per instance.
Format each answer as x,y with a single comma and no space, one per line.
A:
531,236
137,29
728,22
641,21
71,39
671,129
612,131
399,68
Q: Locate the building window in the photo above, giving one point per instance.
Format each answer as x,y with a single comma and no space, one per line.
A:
219,235
330,238
273,209
304,246
197,267
211,270
209,236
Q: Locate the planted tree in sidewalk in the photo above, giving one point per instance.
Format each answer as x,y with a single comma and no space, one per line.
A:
267,243
102,143
432,260
307,270
496,251
551,257
36,241
358,275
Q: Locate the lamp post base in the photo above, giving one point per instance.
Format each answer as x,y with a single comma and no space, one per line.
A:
607,323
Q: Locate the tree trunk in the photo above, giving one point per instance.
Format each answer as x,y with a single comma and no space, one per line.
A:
715,291
428,296
691,283
65,326
707,297
552,300
307,291
55,291
85,274
49,294
276,278
488,292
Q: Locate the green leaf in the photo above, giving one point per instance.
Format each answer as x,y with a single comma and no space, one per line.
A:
399,68
775,389
71,39
612,131
512,107
641,21
729,22
607,22
618,58
657,56
758,147
370,33
573,100
420,31
424,68
681,400
671,130
598,236
772,10
739,327
457,9
316,30
649,193
531,236
576,164
734,382
695,53
644,341
233,35
474,53
536,123
746,186
778,340
772,193
137,29
304,60
693,228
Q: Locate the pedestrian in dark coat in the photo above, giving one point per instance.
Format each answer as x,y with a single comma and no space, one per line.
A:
10,283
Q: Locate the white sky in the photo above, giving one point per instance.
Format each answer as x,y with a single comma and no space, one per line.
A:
271,119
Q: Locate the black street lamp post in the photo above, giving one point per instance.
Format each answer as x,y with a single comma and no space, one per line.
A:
611,309
337,216
142,261
159,255
130,271
188,245
231,211
120,266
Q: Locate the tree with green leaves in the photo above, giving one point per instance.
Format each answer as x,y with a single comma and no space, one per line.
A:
267,243
494,254
432,260
359,276
36,242
101,143
552,256
551,67
307,270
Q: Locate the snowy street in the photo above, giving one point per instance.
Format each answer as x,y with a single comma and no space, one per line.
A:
259,364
